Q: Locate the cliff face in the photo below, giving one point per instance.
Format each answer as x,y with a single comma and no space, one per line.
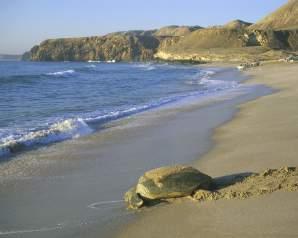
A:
229,44
279,39
117,46
226,43
237,40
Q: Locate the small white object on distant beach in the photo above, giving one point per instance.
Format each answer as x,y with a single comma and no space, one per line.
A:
111,61
93,61
245,66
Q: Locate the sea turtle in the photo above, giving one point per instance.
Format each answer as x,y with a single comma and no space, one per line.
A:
166,182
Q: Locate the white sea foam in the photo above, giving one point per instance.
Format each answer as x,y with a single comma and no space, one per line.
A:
67,129
218,83
204,78
59,73
146,67
91,66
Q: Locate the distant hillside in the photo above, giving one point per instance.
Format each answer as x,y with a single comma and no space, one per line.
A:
176,30
271,38
211,38
120,46
237,24
286,17
10,57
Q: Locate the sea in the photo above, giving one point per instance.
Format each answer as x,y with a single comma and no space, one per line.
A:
48,102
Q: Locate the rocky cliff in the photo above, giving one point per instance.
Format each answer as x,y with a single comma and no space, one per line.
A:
119,46
270,38
123,46
227,43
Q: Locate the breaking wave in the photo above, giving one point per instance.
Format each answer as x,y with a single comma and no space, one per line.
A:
60,73
167,83
203,78
67,129
145,67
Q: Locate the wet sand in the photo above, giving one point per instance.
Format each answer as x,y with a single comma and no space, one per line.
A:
75,188
262,135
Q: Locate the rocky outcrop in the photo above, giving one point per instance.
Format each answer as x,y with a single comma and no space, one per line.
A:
127,46
210,44
229,44
279,39
235,41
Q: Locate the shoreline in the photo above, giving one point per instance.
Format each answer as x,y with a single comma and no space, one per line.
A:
80,181
72,127
261,135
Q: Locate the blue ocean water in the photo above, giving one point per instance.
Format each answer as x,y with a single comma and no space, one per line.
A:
45,102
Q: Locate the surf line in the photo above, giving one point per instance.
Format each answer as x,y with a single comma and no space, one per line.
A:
97,205
2,233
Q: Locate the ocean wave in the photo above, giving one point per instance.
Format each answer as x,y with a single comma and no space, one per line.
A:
20,79
67,129
146,67
204,78
202,74
220,84
49,129
59,73
91,66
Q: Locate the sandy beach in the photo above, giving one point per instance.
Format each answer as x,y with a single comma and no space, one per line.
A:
127,120
262,135
79,184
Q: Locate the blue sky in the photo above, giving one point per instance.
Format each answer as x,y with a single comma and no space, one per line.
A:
24,23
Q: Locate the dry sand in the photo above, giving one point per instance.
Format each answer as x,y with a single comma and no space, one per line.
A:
264,134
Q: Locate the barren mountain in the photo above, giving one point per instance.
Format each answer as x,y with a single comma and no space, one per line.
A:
286,17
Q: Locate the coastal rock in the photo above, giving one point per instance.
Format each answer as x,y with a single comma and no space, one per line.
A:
121,46
234,41
171,182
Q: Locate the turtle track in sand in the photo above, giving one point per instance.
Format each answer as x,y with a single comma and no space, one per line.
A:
246,185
